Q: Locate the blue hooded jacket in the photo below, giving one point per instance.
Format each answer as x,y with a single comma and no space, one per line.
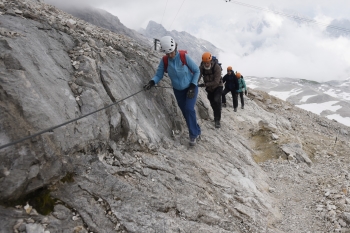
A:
180,75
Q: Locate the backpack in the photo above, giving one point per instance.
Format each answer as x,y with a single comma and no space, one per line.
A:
182,58
216,61
241,80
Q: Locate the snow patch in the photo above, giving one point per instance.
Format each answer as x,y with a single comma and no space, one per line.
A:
318,108
284,95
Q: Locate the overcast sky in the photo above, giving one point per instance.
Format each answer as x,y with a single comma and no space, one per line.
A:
282,48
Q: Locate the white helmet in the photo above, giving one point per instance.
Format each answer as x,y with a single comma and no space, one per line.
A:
167,44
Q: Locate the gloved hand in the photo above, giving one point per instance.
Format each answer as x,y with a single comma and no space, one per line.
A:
190,92
201,85
149,85
245,92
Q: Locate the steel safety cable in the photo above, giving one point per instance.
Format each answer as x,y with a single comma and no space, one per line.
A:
164,11
177,13
65,123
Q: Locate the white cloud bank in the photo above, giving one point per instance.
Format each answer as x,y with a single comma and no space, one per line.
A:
254,42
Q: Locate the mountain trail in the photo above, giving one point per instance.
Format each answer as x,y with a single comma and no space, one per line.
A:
313,196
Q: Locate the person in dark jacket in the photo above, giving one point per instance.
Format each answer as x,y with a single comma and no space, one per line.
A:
231,85
242,88
211,72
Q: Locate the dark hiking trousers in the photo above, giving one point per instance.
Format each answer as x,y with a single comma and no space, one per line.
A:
242,99
215,102
234,97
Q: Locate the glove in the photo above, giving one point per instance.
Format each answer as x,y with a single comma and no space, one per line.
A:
190,92
245,92
201,85
149,85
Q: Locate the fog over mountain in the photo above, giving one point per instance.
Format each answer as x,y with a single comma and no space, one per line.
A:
339,28
102,19
309,97
256,38
194,46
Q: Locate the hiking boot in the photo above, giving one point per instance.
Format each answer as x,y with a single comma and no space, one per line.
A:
235,109
242,107
217,124
192,141
224,105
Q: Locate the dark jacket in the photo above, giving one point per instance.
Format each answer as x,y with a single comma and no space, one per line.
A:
231,82
212,77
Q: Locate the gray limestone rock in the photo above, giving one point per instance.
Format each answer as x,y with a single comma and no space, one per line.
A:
118,159
295,150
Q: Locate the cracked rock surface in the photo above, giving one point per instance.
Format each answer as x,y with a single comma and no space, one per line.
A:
128,168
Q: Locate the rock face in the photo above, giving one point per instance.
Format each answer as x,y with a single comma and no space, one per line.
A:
194,46
128,167
103,19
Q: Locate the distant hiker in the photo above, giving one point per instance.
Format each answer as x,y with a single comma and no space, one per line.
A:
231,85
211,72
184,79
242,88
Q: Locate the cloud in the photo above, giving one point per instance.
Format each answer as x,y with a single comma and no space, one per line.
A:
293,50
254,41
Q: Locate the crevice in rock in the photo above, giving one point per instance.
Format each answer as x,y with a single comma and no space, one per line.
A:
108,210
105,85
40,199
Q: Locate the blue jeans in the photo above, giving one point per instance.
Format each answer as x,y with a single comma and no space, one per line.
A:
187,108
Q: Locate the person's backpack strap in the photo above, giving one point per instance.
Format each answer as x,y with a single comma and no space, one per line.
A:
165,61
213,68
182,58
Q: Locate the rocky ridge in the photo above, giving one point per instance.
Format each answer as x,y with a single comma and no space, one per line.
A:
313,195
103,19
129,168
